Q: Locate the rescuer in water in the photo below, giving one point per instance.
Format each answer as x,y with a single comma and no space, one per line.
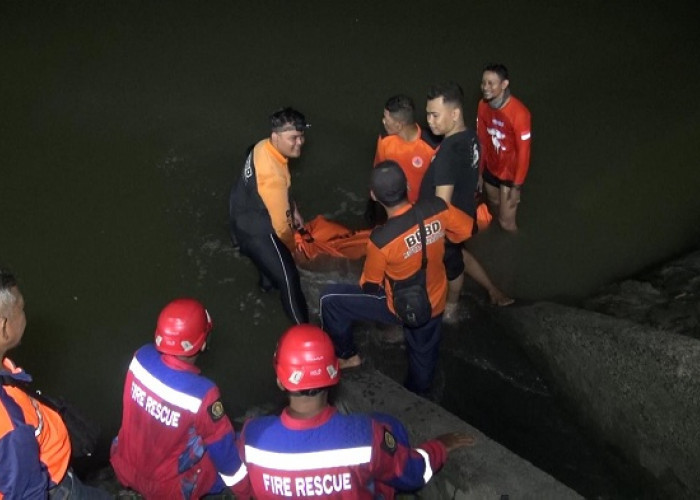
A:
175,440
311,449
263,217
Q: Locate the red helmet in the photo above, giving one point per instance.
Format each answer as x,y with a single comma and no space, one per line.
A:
183,327
305,359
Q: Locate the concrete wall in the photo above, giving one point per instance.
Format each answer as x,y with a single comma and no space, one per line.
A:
485,471
637,386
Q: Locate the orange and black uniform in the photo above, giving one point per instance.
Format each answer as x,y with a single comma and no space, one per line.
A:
504,134
412,156
29,469
261,218
394,252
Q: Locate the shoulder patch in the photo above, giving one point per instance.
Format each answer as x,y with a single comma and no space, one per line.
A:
216,410
389,443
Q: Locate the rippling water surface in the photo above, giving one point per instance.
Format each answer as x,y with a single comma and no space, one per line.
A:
123,124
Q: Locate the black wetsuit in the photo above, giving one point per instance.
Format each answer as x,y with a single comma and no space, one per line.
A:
251,227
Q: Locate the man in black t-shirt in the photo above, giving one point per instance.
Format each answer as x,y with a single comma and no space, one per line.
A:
454,170
453,175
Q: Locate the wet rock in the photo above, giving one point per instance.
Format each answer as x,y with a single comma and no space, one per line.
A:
666,297
636,386
486,470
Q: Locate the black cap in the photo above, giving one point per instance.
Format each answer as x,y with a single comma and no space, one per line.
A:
288,119
388,183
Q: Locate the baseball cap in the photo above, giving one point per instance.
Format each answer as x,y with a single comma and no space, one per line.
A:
388,183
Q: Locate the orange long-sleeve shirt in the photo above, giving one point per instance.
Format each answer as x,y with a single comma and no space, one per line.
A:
273,181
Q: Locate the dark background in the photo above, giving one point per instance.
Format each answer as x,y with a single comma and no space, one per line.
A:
123,125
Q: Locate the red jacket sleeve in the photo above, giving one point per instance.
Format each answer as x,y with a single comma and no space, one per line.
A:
220,439
396,463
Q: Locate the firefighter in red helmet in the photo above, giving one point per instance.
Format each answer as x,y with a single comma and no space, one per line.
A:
175,439
313,450
183,327
305,360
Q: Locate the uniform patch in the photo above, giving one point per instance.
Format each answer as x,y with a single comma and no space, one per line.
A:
389,443
216,410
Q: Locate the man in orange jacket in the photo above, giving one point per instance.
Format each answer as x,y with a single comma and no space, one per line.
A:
395,253
34,444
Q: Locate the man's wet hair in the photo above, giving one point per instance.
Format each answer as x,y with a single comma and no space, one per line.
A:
401,108
7,282
499,69
450,92
288,119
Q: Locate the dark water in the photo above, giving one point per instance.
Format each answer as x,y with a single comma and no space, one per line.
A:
122,125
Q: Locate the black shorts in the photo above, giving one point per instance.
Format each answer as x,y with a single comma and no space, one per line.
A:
495,181
454,264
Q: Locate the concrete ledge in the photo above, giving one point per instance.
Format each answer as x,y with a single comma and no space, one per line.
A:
638,387
485,471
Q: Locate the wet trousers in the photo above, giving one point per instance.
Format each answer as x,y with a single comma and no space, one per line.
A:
343,304
277,269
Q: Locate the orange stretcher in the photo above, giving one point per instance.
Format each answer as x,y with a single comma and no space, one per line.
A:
321,236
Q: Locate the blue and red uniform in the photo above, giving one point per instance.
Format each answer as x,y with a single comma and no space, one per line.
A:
176,440
19,413
335,456
22,474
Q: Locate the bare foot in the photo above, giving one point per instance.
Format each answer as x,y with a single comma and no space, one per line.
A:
450,315
351,362
456,440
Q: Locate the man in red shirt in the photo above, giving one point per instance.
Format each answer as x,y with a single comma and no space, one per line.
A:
503,127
